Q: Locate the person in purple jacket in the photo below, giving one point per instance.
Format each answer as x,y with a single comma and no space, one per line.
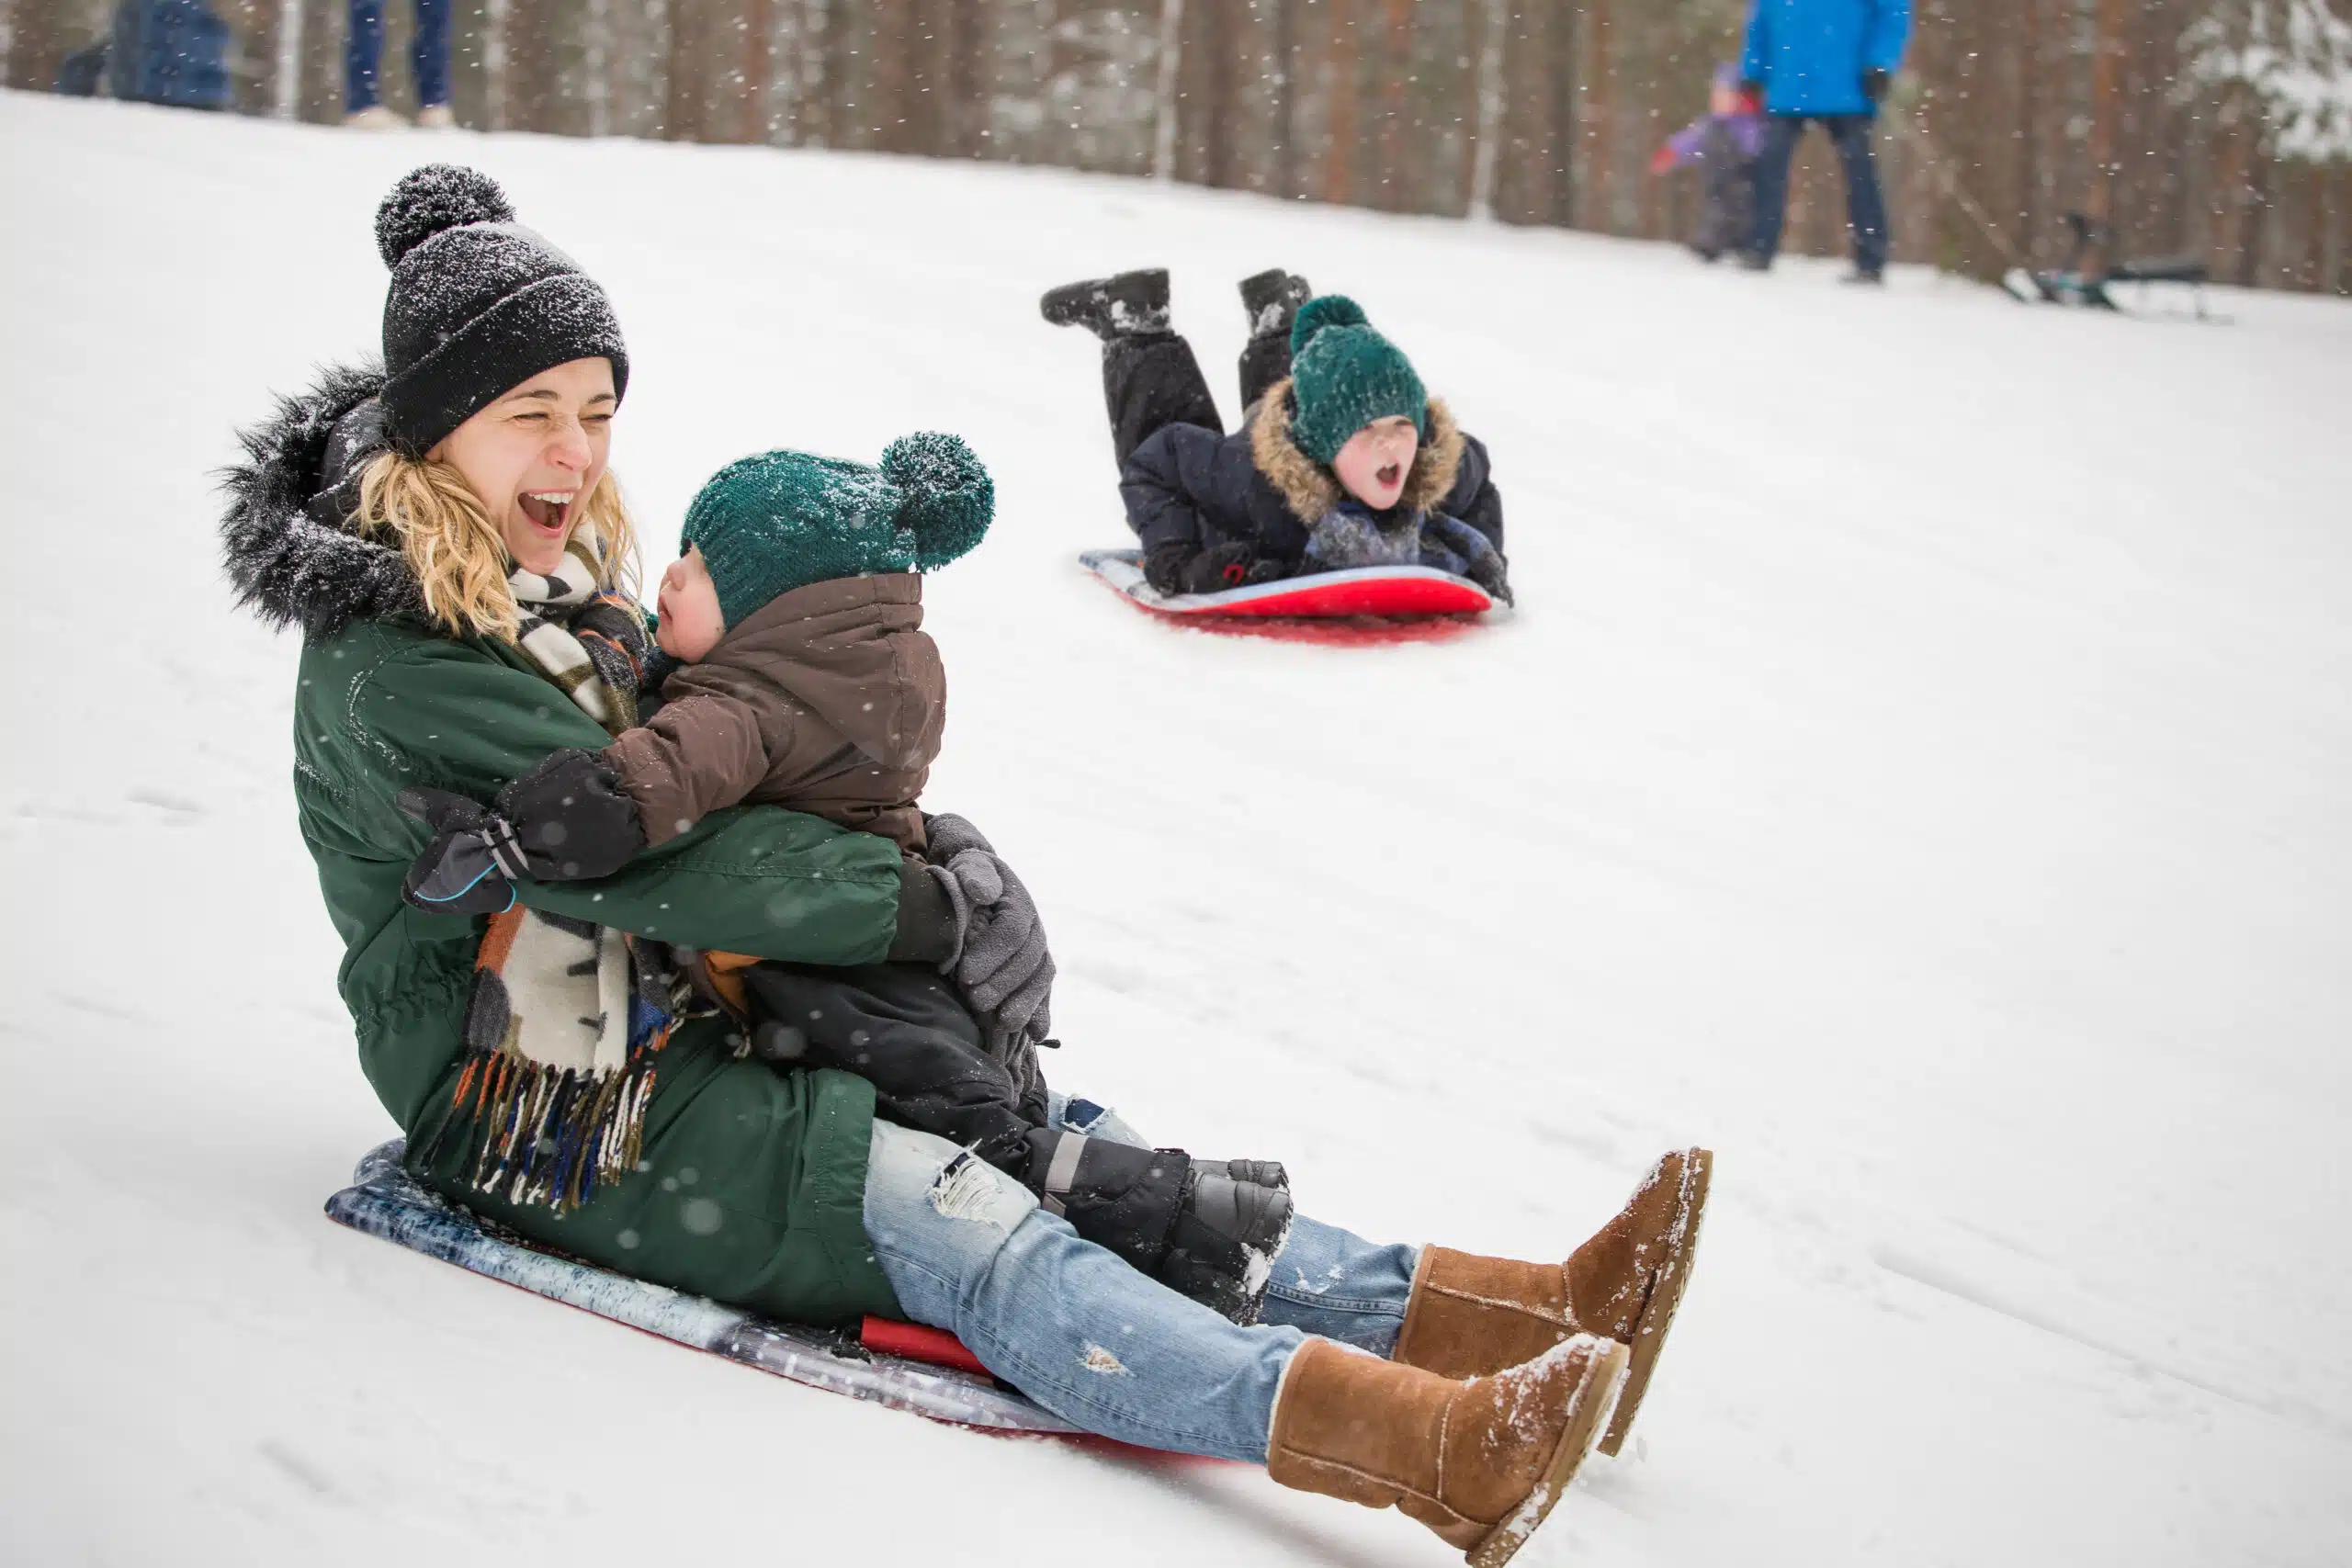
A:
1723,142
1830,60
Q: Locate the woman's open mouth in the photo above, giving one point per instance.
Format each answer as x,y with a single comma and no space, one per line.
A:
1389,474
548,510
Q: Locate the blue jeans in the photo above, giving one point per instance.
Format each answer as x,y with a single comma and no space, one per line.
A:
428,57
968,1249
1865,208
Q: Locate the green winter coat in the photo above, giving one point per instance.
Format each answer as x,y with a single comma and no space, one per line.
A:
751,1186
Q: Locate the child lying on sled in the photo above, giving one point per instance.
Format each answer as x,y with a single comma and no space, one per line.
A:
802,678
1342,459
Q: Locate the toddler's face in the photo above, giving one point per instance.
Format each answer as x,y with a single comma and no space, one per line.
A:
1373,465
688,603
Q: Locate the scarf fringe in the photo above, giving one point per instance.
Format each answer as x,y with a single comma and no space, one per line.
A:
533,1133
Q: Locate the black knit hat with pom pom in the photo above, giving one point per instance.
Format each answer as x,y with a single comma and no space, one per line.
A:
478,303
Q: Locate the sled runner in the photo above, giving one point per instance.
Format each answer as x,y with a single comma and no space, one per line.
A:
2069,284
1395,593
902,1365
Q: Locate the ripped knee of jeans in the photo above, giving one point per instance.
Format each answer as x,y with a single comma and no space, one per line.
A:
968,1188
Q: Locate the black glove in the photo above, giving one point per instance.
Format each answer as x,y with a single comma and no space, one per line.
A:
571,819
1218,568
1874,84
1750,84
1488,571
1163,567
456,875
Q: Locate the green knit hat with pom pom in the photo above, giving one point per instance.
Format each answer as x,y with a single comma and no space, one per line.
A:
769,524
1346,375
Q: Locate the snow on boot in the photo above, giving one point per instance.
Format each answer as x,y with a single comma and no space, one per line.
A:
1222,1248
1480,1461
1470,1315
1271,298
1110,308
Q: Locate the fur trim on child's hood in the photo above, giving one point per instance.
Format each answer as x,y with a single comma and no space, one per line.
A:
1311,490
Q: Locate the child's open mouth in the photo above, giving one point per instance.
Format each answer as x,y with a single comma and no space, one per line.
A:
548,510
1389,473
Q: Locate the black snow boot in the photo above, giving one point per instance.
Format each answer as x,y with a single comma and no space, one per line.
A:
1110,308
1228,1234
1198,1228
1271,298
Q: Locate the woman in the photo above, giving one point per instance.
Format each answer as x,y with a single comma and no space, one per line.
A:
445,532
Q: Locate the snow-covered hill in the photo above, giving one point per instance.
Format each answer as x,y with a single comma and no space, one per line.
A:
1917,768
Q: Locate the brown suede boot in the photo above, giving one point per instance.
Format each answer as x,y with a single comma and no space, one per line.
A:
1469,1315
1480,1461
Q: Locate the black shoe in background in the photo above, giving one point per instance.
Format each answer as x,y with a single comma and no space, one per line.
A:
1125,304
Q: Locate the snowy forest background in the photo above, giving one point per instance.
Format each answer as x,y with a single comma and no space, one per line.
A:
2220,129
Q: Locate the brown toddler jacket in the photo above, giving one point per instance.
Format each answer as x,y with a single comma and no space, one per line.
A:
830,699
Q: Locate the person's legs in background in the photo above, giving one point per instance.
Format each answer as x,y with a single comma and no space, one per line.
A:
363,52
1151,380
1782,132
1326,1280
1865,206
429,60
1150,377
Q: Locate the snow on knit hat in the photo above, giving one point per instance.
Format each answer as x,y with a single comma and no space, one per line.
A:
1345,375
477,304
769,524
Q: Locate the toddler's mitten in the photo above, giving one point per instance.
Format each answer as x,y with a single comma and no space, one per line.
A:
569,819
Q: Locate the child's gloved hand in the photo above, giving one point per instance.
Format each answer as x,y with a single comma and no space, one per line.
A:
1489,572
571,818
1180,569
458,872
567,818
1002,963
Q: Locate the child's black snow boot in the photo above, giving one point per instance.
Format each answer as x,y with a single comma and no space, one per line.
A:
1271,298
1110,308
1264,1172
1201,1228
1221,1252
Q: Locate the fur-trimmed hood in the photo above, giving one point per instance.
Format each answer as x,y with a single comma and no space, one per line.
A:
1311,491
288,566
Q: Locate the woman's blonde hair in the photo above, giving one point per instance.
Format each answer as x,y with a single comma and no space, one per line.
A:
459,556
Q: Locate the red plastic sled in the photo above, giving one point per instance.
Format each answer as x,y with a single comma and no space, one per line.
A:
1387,592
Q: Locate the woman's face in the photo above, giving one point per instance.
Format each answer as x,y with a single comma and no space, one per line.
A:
1373,465
533,457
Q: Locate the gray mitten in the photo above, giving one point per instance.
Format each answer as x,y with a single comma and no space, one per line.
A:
948,835
1002,967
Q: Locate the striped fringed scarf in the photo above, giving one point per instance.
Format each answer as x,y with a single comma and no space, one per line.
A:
560,1042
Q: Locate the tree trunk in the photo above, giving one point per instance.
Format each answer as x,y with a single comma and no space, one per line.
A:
1491,19
2106,45
38,44
1339,159
1394,138
1166,106
752,125
1600,119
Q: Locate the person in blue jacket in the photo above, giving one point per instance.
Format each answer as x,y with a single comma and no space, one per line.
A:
1829,61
